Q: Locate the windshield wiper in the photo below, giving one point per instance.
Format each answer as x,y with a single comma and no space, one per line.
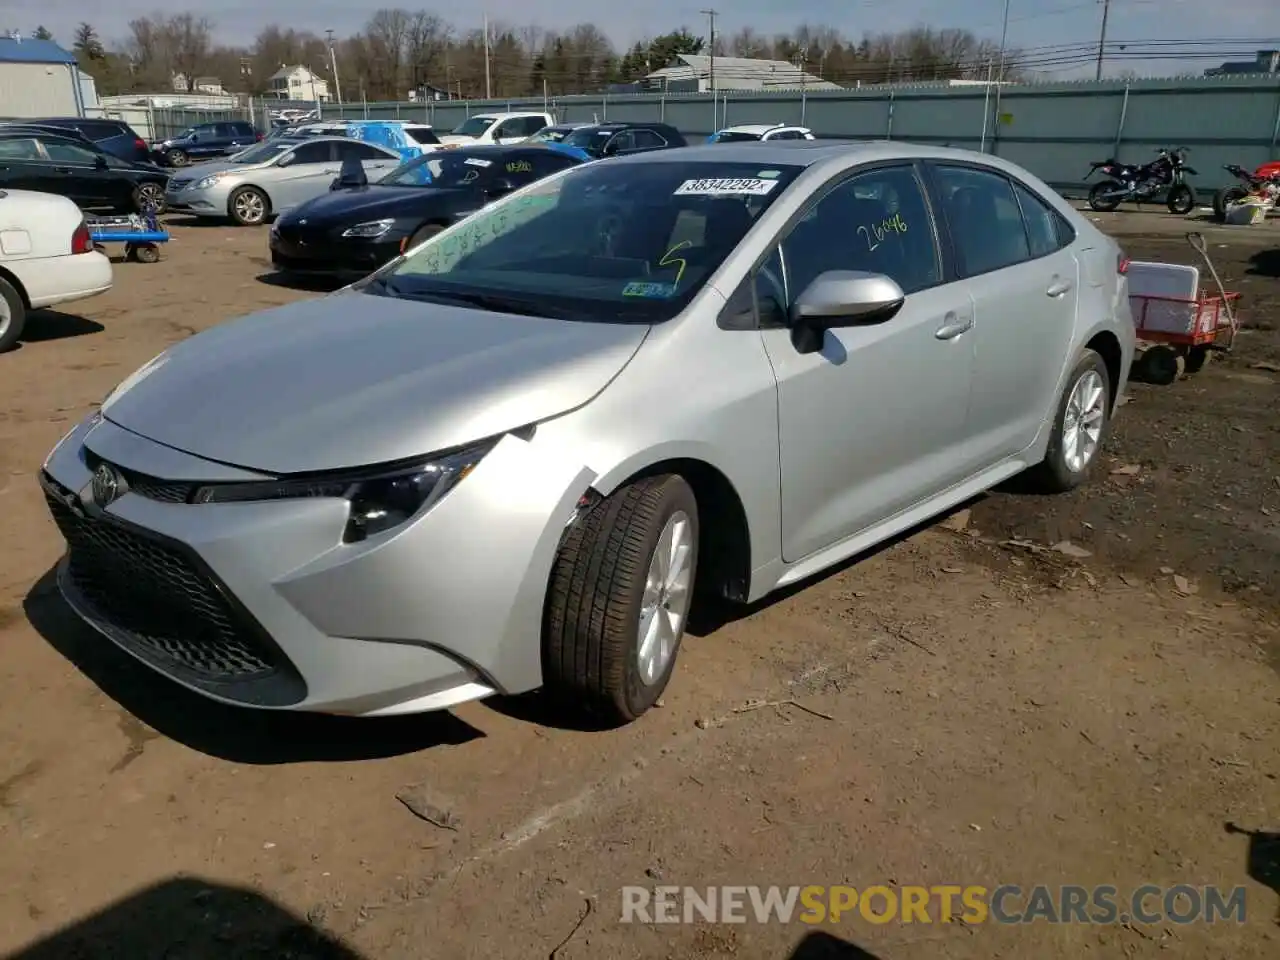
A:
485,301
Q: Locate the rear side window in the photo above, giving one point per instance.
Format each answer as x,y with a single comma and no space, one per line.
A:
532,125
647,138
424,135
241,127
359,151
984,217
1042,221
99,129
19,150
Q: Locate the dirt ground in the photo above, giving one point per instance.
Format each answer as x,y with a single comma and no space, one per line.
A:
976,704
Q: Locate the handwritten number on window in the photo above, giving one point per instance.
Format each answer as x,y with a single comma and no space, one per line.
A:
875,233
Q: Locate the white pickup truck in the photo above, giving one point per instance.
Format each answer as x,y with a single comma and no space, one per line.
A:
46,257
500,128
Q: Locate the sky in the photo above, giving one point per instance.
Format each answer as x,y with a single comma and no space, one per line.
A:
1033,24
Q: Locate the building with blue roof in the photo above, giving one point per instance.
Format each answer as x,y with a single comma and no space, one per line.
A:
38,79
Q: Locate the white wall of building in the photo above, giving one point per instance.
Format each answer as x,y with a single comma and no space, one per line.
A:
38,90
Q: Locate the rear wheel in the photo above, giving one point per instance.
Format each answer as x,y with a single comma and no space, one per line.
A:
248,206
1181,199
13,315
1198,358
177,158
1161,365
619,598
423,234
1225,197
1105,196
1084,412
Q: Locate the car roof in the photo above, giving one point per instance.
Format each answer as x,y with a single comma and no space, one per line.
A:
757,128
808,153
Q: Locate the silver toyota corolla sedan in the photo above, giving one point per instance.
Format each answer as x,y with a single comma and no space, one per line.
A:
507,459
271,177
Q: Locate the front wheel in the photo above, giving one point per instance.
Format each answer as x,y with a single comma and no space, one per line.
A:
149,198
13,315
1105,196
1224,198
1079,428
1181,199
248,206
619,597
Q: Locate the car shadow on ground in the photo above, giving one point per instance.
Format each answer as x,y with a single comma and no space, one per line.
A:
1262,862
1265,263
183,220
236,734
194,919
311,283
820,945
45,325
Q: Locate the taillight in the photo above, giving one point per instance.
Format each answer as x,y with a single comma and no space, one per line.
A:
1122,264
139,144
259,136
81,242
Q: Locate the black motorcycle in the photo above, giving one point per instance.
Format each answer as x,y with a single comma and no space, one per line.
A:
1141,183
1250,184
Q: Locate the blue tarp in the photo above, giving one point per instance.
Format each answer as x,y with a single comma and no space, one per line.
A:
390,135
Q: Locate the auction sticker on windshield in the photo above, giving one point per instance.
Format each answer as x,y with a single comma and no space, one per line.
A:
726,187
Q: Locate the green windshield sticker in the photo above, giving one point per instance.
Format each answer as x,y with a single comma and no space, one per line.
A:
650,291
768,174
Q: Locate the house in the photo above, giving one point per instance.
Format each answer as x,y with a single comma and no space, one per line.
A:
209,85
297,83
427,91
38,79
1267,61
693,74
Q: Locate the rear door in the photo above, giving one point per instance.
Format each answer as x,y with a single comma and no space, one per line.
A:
23,167
307,173
1024,284
82,177
374,161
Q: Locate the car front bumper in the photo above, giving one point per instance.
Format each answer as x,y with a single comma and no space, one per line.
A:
209,202
319,253
261,604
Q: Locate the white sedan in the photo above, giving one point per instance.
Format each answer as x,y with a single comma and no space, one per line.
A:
47,257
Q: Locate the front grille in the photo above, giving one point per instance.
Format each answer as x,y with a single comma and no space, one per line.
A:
156,599
179,184
153,488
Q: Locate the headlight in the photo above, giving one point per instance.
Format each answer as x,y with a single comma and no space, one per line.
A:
374,228
204,183
379,501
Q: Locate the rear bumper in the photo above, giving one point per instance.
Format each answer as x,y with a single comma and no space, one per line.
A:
64,279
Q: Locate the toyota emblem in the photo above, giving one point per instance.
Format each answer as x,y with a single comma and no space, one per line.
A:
106,486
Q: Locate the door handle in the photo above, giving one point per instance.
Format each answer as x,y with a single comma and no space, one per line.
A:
954,327
1058,288
61,169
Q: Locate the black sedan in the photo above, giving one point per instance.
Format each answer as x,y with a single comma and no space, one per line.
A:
356,229
32,158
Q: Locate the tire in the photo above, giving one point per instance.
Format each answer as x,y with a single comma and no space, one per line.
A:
1161,365
1181,199
13,315
177,158
1060,471
1099,203
147,253
149,198
1198,358
596,599
1225,198
248,207
423,234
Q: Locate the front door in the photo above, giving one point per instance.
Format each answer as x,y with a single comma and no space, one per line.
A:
874,422
1024,281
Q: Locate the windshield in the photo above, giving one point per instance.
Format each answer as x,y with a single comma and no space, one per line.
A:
262,152
550,135
189,132
608,243
736,136
438,169
474,127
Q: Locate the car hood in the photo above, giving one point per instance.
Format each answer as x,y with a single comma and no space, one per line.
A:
222,168
342,206
343,382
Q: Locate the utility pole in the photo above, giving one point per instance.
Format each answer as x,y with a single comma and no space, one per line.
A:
1102,37
1004,39
488,87
711,46
333,65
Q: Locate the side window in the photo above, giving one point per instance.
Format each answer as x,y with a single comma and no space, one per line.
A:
1041,221
647,139
876,221
19,150
511,128
360,151
623,141
549,162
985,221
786,135
63,152
532,125
311,153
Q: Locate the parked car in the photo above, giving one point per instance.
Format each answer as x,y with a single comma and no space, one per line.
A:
509,458
500,128
205,141
358,230
47,258
271,178
614,139
114,136
70,166
749,132
556,132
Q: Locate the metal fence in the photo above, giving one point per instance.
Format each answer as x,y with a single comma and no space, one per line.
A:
1054,130
160,123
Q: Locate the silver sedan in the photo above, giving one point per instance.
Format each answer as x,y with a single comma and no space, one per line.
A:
507,459
271,177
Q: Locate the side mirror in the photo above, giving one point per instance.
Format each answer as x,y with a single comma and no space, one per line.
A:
100,162
499,187
842,298
352,176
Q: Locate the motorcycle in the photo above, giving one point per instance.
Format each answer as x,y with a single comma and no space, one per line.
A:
1263,182
1141,183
